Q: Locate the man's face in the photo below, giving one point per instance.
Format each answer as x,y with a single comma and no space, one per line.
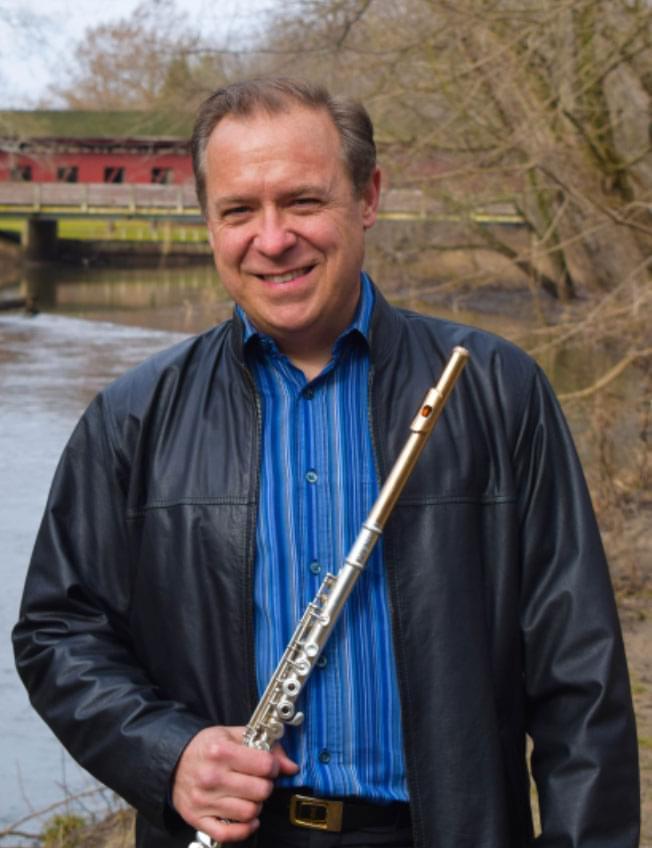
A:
286,227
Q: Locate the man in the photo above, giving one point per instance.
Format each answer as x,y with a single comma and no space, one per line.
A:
204,495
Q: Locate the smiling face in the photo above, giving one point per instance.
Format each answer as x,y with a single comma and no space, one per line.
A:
286,226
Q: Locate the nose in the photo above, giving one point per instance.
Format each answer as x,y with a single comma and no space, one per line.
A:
273,236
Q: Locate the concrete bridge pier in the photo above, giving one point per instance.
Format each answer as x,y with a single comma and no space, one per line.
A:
42,239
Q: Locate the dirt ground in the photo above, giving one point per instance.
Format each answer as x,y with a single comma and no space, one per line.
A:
624,508
627,536
637,632
636,615
628,543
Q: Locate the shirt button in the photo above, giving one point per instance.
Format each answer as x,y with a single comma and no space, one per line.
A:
315,567
312,476
322,662
324,756
309,394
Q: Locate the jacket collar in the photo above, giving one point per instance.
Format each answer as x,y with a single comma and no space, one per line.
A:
385,329
383,335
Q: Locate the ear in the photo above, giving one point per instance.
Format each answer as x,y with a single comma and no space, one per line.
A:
371,199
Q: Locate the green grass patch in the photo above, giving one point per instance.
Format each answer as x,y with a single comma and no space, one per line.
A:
637,685
122,229
64,831
11,225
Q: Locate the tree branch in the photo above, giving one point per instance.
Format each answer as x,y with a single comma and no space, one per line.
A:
608,377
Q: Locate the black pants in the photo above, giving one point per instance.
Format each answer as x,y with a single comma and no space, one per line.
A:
277,832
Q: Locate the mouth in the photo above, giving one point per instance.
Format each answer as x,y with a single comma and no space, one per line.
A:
287,277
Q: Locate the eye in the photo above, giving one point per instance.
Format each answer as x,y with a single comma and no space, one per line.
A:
235,211
306,202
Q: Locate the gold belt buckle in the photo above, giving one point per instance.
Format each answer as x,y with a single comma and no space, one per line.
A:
316,813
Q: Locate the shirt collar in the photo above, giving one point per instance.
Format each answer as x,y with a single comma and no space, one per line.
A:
360,323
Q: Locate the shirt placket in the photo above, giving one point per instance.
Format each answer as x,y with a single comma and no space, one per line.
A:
322,730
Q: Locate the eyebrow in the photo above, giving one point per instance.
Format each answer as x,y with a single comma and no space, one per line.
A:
238,199
231,200
305,188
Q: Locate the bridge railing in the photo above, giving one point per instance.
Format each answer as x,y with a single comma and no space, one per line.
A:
86,197
93,197
179,201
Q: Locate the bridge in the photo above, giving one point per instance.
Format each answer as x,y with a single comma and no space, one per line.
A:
100,200
44,204
179,203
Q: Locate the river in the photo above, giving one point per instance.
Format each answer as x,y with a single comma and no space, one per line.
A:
93,325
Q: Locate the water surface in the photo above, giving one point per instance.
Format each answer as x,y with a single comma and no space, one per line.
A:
92,327
50,368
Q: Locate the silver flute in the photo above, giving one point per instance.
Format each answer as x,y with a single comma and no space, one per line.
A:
277,706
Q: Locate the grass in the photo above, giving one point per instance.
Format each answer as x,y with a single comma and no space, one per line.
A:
120,229
63,831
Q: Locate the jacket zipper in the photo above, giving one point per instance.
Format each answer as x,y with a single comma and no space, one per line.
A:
251,547
390,581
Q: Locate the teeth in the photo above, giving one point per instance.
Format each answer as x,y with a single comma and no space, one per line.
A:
283,278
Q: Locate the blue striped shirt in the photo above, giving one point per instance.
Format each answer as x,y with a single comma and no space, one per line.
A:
317,484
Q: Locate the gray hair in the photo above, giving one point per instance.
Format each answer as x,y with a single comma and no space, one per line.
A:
275,95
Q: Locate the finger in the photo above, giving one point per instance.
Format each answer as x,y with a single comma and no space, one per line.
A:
234,731
239,758
237,810
256,789
227,832
223,808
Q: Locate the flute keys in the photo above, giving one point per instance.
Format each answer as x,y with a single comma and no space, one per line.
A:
291,686
285,710
296,720
311,649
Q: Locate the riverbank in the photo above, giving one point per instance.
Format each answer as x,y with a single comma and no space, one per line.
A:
116,243
612,427
118,253
121,253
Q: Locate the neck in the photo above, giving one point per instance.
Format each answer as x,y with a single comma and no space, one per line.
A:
311,359
310,367
311,350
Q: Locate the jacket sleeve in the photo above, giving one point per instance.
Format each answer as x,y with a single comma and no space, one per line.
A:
579,709
72,642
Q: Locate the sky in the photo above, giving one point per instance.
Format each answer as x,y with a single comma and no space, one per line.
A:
37,37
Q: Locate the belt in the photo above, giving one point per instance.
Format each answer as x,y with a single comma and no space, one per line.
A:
335,814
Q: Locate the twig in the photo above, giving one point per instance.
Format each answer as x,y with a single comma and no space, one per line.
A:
11,830
607,378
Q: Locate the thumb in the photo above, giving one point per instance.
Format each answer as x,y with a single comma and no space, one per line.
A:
285,764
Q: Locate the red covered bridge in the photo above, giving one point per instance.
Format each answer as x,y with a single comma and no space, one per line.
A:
94,147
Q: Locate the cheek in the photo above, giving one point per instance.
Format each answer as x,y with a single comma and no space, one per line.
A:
228,249
342,237
324,233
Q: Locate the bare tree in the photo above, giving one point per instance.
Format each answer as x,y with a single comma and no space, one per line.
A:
541,107
145,61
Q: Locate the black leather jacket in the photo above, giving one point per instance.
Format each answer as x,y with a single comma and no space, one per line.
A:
136,625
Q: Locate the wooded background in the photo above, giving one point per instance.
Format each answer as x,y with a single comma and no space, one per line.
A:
537,106
537,112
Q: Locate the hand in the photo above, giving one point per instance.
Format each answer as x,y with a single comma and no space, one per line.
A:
218,778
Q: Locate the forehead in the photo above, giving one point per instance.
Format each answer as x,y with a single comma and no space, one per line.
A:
298,133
